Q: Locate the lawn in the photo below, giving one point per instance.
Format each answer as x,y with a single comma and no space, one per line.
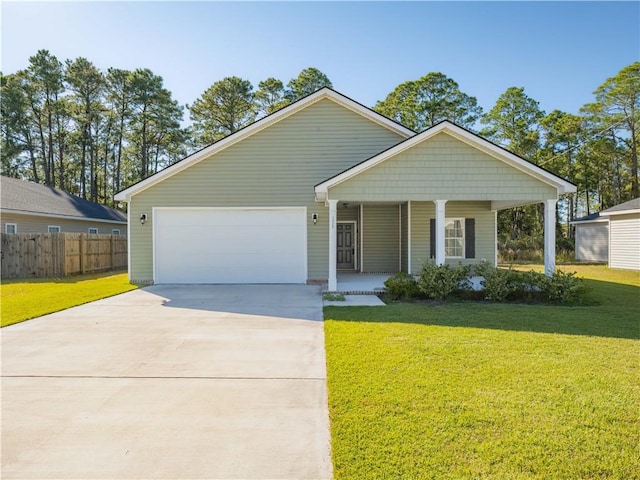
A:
475,390
25,299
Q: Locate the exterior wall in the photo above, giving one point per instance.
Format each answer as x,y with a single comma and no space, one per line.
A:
592,242
277,166
39,224
485,239
404,237
624,241
381,240
442,167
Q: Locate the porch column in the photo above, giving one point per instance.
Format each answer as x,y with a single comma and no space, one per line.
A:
333,246
550,237
440,220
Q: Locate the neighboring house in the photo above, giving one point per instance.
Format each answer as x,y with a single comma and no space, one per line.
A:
327,185
592,238
624,235
27,207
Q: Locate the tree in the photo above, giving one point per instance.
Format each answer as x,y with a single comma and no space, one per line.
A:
420,104
308,81
618,98
514,122
119,95
269,97
225,107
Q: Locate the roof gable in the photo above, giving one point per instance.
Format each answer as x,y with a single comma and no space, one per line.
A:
458,133
632,206
22,196
266,122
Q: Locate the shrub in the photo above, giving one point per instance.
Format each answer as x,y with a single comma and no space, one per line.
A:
562,287
499,284
402,286
440,281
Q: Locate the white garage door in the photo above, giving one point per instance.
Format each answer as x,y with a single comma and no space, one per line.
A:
235,245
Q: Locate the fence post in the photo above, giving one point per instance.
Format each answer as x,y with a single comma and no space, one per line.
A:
112,241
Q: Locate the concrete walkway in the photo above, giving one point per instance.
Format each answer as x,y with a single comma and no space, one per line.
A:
170,382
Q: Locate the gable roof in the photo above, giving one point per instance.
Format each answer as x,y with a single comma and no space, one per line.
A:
21,196
632,206
323,93
462,134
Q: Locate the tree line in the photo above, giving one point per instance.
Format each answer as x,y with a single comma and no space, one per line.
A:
92,133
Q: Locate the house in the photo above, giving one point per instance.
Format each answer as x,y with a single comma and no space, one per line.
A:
624,234
326,185
592,238
27,207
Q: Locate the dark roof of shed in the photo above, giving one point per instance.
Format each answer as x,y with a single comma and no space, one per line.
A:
29,197
587,218
630,205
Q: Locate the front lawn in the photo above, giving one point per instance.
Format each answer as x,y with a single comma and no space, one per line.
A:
480,390
25,299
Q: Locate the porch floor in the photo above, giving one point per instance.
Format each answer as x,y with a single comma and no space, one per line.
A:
362,283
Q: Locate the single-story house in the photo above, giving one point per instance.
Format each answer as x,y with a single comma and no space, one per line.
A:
327,185
28,207
624,234
592,238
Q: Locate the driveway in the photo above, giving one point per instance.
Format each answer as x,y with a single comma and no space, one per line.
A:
170,382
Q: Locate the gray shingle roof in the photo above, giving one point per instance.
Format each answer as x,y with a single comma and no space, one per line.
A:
587,218
630,205
21,195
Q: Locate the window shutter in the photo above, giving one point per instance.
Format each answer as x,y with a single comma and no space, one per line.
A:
470,238
432,238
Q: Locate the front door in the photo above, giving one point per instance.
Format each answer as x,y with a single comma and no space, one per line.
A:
346,246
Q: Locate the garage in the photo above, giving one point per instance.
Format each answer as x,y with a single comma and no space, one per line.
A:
230,245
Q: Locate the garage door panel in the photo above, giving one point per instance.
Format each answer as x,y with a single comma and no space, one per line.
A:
230,246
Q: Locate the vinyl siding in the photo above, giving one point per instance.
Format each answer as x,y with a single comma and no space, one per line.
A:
624,241
39,224
277,166
423,212
442,167
404,231
592,242
381,242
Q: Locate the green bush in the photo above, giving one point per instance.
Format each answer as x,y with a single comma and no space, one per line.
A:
499,284
402,286
562,287
440,281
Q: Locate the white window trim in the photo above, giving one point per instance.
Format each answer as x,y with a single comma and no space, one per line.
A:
89,231
14,225
115,231
49,227
464,236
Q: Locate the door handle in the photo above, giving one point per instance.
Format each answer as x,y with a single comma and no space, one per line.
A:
353,251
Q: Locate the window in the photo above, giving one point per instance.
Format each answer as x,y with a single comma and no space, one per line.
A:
454,237
93,231
115,231
10,228
53,229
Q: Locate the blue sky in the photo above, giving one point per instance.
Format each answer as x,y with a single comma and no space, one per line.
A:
559,51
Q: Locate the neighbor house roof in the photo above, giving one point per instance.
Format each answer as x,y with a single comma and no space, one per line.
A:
463,135
632,206
24,197
323,93
593,218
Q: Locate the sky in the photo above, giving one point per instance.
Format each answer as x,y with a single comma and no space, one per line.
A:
560,52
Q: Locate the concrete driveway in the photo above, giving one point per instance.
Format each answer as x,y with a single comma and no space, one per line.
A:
170,382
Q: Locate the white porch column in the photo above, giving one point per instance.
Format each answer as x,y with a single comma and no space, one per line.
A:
550,237
440,219
333,246
409,237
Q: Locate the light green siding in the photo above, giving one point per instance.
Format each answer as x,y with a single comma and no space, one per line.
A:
442,167
404,232
381,238
39,224
485,239
277,166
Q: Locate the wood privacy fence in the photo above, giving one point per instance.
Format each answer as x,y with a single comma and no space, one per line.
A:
55,255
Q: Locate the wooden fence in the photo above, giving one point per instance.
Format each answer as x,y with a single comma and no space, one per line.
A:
56,255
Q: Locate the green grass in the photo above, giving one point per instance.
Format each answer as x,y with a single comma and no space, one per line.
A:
477,390
25,299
